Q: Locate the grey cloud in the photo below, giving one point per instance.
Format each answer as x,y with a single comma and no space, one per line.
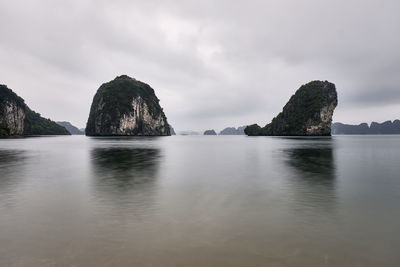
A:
386,96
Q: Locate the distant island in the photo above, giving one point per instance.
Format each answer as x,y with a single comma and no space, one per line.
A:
17,119
126,106
233,131
308,113
210,132
387,127
70,128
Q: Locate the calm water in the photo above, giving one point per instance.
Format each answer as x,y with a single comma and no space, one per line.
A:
200,201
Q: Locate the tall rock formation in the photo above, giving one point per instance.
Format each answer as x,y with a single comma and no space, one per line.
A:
308,113
125,106
17,119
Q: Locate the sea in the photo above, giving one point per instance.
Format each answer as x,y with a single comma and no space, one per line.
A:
200,201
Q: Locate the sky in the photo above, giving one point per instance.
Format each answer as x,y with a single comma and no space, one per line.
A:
212,63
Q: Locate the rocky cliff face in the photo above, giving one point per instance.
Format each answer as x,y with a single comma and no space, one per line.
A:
16,118
12,113
126,106
308,113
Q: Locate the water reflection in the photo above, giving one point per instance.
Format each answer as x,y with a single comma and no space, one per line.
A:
313,174
11,163
124,167
124,182
313,164
8,157
12,166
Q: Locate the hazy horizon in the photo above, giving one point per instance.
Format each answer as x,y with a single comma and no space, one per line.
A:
212,64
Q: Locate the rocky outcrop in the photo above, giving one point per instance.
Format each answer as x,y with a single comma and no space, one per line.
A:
12,113
308,113
172,131
126,106
210,132
387,127
233,131
17,119
70,128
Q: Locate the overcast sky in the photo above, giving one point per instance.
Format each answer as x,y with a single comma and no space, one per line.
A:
212,63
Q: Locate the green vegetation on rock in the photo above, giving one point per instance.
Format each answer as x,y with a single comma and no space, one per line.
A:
37,125
3,132
253,130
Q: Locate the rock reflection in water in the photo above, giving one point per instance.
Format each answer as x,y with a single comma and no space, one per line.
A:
124,167
313,168
124,182
12,165
9,157
313,164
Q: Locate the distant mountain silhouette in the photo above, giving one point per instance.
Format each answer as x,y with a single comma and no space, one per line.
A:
210,132
71,128
387,127
233,131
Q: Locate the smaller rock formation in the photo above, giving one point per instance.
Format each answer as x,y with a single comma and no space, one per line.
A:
70,128
233,131
17,119
308,113
125,106
210,132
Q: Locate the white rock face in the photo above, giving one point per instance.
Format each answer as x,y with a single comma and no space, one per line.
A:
140,114
13,118
139,121
324,126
